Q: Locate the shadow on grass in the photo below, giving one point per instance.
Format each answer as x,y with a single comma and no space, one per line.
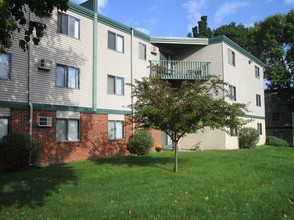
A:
144,161
30,188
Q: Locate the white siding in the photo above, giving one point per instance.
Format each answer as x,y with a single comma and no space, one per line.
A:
4,112
65,50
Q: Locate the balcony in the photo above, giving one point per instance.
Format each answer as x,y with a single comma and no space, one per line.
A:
179,70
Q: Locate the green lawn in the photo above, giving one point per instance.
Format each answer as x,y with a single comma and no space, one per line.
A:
236,184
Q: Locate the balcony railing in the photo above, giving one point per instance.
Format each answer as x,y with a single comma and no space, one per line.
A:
181,70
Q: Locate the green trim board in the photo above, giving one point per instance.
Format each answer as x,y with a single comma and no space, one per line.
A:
232,44
36,106
253,117
107,21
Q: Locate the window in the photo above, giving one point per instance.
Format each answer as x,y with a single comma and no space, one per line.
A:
259,128
67,76
115,85
257,74
142,51
233,131
258,100
115,42
67,130
5,61
232,93
3,127
279,134
231,57
115,130
277,116
68,25
275,98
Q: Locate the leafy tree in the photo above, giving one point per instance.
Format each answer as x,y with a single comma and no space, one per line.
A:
240,34
185,107
275,47
14,17
201,30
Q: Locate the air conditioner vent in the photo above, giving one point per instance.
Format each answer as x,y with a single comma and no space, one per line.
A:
154,50
44,64
44,121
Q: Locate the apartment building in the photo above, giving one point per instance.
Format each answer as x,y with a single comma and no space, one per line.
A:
279,118
71,90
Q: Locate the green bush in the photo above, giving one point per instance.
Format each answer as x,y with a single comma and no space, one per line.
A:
19,150
275,141
248,137
141,142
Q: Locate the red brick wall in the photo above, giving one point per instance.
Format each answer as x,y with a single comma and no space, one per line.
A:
93,141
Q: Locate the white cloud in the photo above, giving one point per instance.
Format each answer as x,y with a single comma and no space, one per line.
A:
227,9
194,9
289,2
144,30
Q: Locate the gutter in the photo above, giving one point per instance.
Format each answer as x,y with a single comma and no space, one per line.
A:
30,86
94,84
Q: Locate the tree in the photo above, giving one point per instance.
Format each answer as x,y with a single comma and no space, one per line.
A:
14,17
186,107
243,36
201,30
274,44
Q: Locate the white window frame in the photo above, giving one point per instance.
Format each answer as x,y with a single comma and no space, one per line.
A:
233,93
5,66
6,131
259,128
117,131
72,31
142,51
233,131
257,72
67,135
231,57
116,85
258,100
67,83
118,42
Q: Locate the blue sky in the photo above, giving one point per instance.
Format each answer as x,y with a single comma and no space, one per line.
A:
177,17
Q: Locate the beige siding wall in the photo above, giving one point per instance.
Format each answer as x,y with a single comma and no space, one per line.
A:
210,139
65,50
16,88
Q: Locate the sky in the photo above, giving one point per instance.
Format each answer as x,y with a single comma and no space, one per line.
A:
175,18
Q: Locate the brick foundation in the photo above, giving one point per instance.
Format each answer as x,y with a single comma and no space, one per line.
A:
93,141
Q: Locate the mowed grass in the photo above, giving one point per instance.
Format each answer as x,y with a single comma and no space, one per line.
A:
236,184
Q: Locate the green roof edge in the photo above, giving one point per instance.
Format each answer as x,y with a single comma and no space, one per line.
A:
231,43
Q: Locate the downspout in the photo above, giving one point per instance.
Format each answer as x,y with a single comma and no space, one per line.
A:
94,82
30,86
132,98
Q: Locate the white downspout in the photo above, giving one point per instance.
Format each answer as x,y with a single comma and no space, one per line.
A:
30,86
132,98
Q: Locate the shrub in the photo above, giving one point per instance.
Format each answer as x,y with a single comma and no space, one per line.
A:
20,150
248,137
275,141
141,142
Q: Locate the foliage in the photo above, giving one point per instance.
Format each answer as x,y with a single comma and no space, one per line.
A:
141,142
248,137
275,141
202,30
14,17
186,107
240,34
20,150
275,47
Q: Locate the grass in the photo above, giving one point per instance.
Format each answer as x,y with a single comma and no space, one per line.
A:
235,184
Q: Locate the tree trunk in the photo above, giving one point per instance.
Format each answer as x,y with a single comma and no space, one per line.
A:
176,157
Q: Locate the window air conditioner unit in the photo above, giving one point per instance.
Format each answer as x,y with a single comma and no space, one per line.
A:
44,121
44,64
154,50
